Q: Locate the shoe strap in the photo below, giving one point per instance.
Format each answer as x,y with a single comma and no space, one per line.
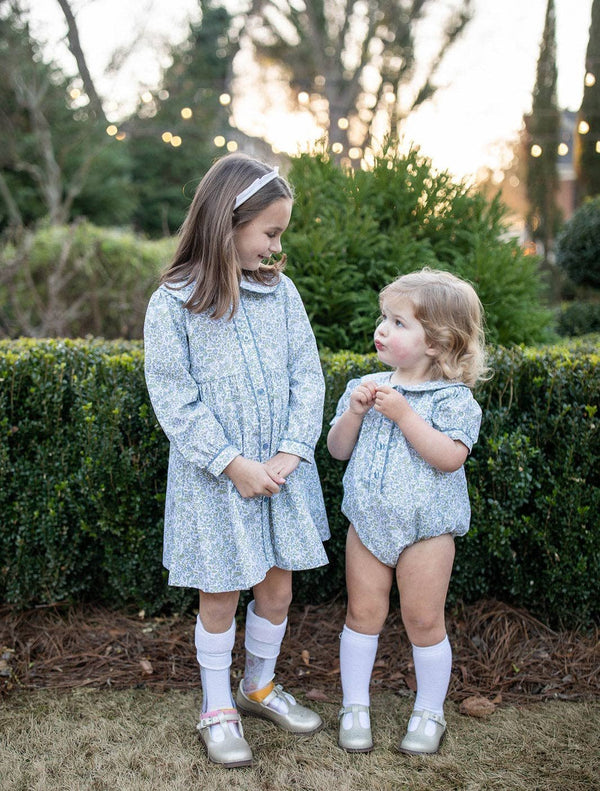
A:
429,715
352,708
218,717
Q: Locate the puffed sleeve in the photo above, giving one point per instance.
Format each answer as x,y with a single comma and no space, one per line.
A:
458,415
306,381
187,422
344,401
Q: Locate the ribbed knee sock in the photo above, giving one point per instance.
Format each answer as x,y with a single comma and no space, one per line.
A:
263,644
433,666
213,651
357,656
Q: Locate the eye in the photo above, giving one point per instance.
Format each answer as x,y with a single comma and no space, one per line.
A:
399,323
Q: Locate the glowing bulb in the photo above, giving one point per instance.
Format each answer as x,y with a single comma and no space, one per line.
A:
225,99
583,128
563,150
74,93
121,136
342,123
303,97
597,146
219,141
337,148
111,130
167,137
146,97
589,79
186,112
355,153
176,141
232,146
536,151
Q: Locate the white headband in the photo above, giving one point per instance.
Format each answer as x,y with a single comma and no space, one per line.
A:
256,185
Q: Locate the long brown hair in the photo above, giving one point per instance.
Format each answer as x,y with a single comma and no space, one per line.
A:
206,255
452,317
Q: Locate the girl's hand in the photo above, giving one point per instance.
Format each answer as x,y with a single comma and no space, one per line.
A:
253,479
282,464
362,398
391,404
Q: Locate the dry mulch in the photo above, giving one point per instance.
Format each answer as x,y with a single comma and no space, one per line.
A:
499,652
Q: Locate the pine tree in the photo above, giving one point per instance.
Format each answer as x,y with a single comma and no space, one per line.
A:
588,128
543,126
172,136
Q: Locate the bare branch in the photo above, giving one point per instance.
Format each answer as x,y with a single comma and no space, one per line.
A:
77,52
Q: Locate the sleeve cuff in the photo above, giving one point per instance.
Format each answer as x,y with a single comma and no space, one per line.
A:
222,459
301,449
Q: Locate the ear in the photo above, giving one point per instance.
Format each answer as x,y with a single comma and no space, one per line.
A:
432,351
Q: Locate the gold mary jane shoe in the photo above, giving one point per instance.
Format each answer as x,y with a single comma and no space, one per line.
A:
417,742
231,751
297,719
357,738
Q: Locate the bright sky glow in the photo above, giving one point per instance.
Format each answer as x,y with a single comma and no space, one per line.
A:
488,77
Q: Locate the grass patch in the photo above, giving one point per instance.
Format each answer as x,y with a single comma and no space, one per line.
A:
140,740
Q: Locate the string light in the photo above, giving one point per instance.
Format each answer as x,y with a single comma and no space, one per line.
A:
589,80
219,141
563,149
186,113
583,128
343,123
337,148
111,130
225,99
536,151
167,137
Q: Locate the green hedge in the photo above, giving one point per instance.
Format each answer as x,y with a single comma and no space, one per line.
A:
83,472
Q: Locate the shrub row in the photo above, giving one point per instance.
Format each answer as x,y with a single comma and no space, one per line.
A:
83,471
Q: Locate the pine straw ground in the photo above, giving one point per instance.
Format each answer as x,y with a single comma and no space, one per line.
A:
499,652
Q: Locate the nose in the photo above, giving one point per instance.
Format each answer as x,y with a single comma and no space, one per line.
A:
275,246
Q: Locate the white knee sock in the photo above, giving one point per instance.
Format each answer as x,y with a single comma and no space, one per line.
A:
357,656
213,651
263,644
433,666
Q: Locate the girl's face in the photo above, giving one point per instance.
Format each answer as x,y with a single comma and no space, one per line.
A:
400,341
261,237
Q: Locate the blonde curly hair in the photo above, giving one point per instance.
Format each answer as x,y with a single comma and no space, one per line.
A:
451,314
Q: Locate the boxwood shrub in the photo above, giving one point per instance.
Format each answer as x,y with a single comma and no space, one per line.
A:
83,472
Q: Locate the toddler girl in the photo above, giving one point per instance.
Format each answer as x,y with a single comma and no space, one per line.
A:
407,433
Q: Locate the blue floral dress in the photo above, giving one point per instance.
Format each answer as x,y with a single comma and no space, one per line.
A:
251,385
392,496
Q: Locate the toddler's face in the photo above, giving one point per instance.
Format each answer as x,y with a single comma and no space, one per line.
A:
400,339
261,237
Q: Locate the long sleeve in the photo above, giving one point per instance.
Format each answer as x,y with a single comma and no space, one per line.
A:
188,423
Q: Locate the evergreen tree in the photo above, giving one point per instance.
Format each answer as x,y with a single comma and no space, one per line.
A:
171,139
543,126
588,131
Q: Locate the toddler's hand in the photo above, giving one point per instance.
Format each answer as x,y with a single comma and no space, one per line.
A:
253,479
390,403
363,398
282,464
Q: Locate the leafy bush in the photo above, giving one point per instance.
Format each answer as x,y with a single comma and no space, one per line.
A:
83,473
353,232
578,245
350,234
78,280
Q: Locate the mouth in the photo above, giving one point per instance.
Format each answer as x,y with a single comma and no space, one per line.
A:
379,345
